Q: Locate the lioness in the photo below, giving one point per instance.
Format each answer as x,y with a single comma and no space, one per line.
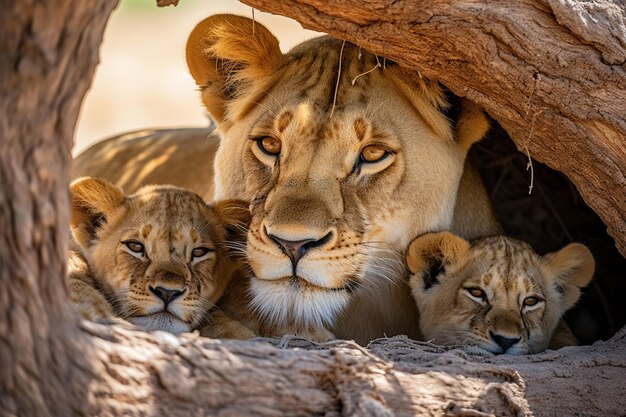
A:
343,167
494,293
160,258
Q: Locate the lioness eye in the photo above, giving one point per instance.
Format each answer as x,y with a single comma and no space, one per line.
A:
199,252
477,292
134,246
269,145
373,153
531,301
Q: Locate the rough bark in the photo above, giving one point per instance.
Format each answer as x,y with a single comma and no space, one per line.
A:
133,373
49,52
165,3
53,364
551,72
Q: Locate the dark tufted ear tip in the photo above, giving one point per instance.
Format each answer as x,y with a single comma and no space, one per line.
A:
469,122
436,268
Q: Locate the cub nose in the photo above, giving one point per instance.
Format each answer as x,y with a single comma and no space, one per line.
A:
166,294
504,342
296,249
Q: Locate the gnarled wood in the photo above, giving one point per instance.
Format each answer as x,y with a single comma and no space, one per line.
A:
169,376
49,53
551,72
53,364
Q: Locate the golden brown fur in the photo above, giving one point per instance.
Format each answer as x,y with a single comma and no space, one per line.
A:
357,217
160,258
495,293
87,300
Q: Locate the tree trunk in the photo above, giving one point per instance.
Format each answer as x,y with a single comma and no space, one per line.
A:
551,72
49,53
53,364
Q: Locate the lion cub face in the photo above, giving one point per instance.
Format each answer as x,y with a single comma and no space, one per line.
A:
160,255
496,293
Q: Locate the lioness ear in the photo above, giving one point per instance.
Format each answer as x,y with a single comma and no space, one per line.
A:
236,217
228,56
441,110
572,268
93,200
429,254
471,124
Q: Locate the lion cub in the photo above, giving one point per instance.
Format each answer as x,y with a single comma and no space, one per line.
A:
495,293
160,258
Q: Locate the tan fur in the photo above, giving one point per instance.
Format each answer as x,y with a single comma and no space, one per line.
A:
87,300
181,157
236,303
444,246
109,279
473,213
365,214
445,268
228,58
351,285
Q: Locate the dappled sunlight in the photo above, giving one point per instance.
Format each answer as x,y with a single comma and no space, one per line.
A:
182,157
303,113
463,391
136,179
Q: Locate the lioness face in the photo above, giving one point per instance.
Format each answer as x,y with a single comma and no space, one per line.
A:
496,294
159,255
341,171
332,200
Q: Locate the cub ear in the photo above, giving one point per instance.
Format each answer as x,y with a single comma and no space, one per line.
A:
572,268
228,56
93,200
236,217
429,254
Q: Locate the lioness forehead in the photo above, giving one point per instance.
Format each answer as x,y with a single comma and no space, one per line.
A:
336,78
314,67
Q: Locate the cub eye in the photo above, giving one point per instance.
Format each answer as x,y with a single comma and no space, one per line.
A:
199,252
134,246
373,153
531,301
269,145
477,293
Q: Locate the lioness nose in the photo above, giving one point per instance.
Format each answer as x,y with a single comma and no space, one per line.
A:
504,342
296,249
166,294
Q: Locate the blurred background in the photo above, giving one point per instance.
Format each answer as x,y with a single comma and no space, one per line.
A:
142,80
